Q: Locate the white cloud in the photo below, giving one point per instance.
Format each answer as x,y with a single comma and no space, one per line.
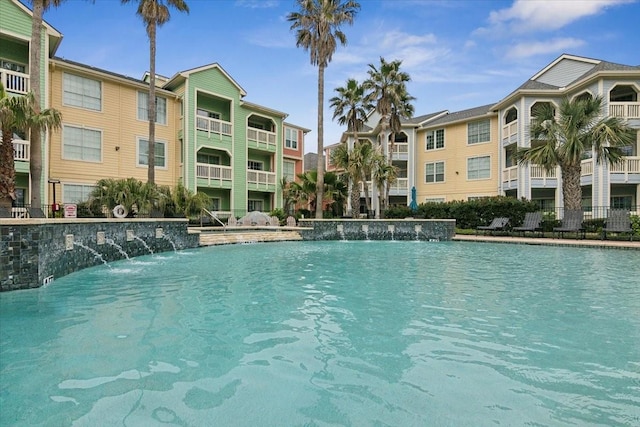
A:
525,50
257,4
395,39
530,15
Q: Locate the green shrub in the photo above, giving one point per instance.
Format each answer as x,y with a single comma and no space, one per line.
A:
635,225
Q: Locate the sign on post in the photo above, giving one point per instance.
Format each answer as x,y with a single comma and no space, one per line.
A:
70,211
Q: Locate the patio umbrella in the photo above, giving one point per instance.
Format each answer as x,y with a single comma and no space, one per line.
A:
413,205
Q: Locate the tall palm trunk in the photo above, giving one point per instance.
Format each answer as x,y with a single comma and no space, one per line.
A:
571,189
151,174
35,138
355,199
320,179
7,170
367,199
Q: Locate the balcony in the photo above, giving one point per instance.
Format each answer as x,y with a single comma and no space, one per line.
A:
400,151
510,174
214,175
213,126
14,82
20,149
625,110
510,133
261,180
261,139
627,166
400,187
587,167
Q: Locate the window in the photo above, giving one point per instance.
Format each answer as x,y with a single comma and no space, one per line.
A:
435,139
479,167
478,132
210,159
206,113
474,198
143,153
215,204
434,200
291,139
12,66
143,108
621,202
434,172
256,166
82,92
289,170
76,193
81,144
254,205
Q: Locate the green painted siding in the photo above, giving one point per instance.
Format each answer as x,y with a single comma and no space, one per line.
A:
14,52
14,20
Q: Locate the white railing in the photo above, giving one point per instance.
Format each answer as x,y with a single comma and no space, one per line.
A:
215,173
262,138
538,172
626,110
216,126
401,185
369,187
587,167
509,130
626,166
20,149
261,177
400,151
14,82
510,174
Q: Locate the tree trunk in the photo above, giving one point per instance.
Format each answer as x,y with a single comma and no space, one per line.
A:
151,175
355,199
571,189
35,138
367,199
7,170
320,175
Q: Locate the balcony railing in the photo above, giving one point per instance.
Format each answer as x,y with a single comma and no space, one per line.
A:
20,149
509,131
587,167
626,110
401,185
626,166
400,151
510,174
261,178
14,82
538,172
262,138
215,126
216,173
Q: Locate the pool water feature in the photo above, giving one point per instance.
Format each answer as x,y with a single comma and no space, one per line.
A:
399,333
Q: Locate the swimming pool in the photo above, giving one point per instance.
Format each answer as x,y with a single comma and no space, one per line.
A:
330,333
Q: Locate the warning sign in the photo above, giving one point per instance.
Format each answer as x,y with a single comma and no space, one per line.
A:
70,211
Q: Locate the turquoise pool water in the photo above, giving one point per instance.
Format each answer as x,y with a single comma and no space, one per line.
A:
330,334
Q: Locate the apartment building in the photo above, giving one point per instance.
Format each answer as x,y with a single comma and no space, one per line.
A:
208,136
469,154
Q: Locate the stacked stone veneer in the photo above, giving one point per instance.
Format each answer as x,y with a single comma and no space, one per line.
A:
389,229
34,252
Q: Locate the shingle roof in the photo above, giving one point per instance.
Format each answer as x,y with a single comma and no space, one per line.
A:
100,70
461,115
420,119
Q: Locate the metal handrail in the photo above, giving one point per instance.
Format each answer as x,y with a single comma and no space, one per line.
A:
224,227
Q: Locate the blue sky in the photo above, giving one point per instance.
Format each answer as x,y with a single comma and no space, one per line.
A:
460,54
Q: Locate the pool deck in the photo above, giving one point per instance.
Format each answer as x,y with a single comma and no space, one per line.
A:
281,234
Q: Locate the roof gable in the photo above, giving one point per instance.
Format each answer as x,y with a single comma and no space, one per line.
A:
184,74
564,70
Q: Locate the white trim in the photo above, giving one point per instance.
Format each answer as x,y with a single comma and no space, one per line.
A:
479,156
444,172
78,106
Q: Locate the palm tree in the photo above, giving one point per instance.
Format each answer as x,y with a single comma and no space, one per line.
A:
350,109
35,147
19,113
154,13
384,174
364,157
563,141
317,24
388,91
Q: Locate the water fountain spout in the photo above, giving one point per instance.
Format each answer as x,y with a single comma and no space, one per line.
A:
96,254
165,237
111,242
340,230
143,243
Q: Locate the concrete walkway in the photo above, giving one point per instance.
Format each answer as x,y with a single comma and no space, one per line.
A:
610,244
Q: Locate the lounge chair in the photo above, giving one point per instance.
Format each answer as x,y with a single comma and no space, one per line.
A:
571,223
618,222
498,224
531,223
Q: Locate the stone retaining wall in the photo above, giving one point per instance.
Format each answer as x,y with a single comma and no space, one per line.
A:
377,229
34,252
